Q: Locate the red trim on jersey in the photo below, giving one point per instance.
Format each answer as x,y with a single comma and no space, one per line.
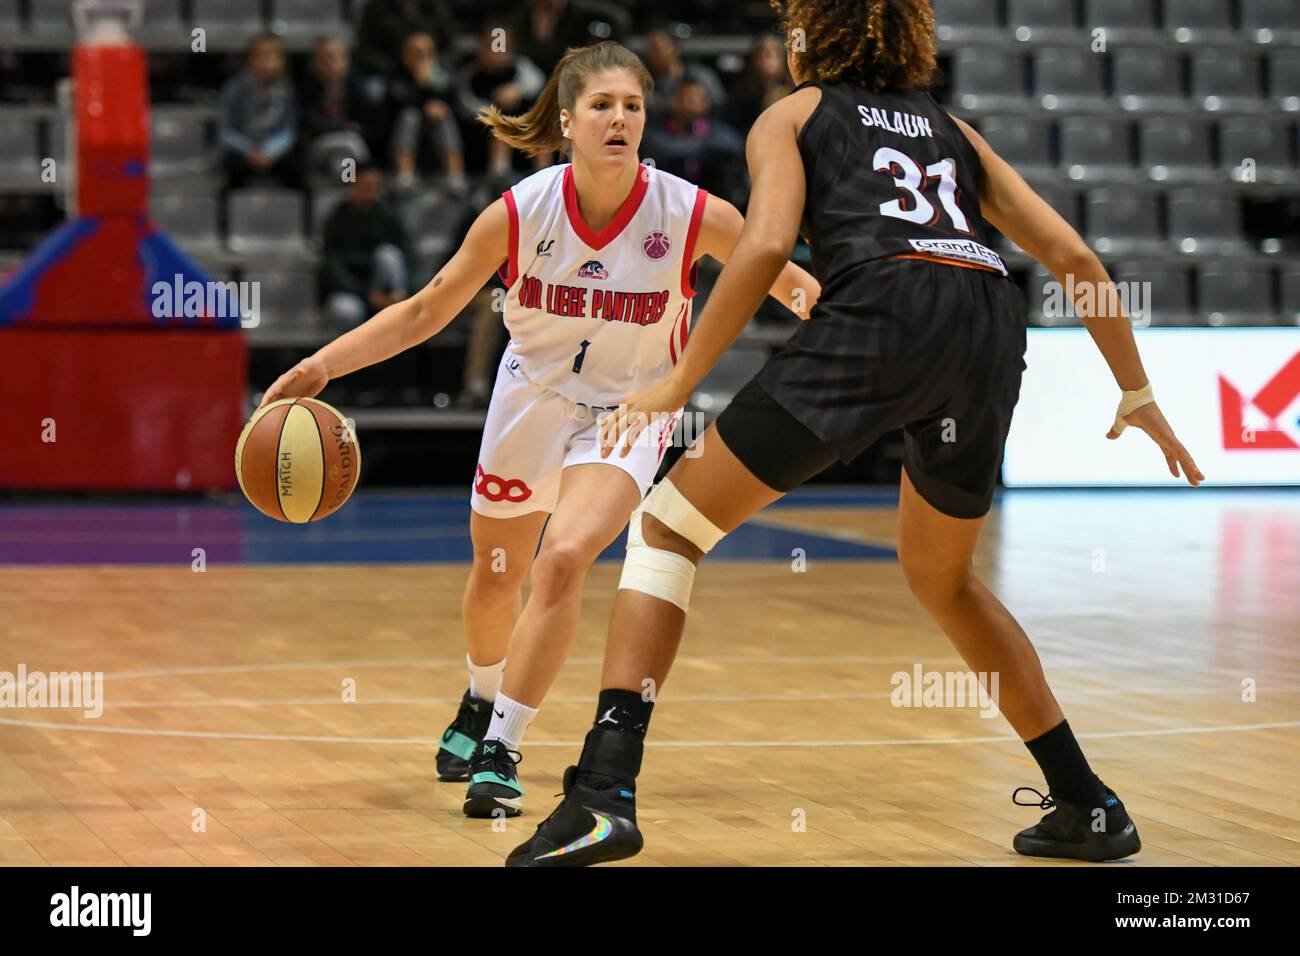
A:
688,254
511,265
598,240
684,320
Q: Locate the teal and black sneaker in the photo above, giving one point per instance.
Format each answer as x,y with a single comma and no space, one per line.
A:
460,739
493,783
1096,831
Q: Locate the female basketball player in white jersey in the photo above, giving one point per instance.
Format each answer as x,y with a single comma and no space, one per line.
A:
598,257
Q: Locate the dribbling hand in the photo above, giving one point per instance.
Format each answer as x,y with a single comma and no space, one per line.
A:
304,380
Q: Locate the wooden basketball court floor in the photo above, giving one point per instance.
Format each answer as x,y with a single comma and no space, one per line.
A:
1168,622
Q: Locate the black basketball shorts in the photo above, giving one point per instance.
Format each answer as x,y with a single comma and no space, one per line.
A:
934,349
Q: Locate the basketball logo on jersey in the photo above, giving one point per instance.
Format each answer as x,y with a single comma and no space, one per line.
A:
592,269
655,245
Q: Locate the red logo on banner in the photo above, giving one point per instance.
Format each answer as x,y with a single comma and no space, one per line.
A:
1273,399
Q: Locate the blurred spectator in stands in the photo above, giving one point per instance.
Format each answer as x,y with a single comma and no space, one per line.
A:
365,254
764,80
257,126
689,144
498,75
425,136
336,113
663,58
546,28
385,25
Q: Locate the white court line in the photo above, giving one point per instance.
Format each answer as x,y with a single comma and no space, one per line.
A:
675,698
434,741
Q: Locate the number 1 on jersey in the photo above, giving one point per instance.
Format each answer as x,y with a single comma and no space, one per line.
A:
908,176
581,356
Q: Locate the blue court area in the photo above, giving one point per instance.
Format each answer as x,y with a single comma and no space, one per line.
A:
374,528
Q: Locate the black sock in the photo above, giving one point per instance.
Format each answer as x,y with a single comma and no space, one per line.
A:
623,710
1064,766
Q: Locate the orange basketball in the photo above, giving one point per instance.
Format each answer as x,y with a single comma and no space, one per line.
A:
297,460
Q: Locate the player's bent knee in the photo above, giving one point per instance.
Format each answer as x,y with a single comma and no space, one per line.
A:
562,565
654,563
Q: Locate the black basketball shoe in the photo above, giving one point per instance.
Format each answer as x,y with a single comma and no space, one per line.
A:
1069,831
462,736
596,820
493,783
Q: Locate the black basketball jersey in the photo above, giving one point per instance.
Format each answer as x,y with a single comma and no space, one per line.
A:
888,174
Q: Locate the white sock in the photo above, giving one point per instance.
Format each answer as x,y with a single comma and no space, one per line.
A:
510,720
485,679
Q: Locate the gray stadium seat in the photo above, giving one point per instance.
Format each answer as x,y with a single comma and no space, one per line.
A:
1271,21
1284,79
178,143
18,160
1168,299
1122,221
1236,293
1226,82
50,18
1202,223
982,81
433,218
1022,142
1176,150
1097,147
1122,19
10,22
56,140
1266,142
1291,295
1065,201
162,20
190,220
1050,20
1148,80
228,21
307,18
964,20
736,367
265,220
1196,20
286,298
1069,78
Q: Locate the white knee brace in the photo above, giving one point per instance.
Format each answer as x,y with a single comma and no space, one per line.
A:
654,571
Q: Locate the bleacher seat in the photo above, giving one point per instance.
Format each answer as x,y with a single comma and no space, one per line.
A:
1236,293
1123,222
307,18
434,218
10,21
1046,301
1290,283
1022,142
228,21
1203,223
1168,299
19,163
1189,21
960,21
162,21
1267,143
178,143
1148,80
1123,20
190,220
1271,21
1069,79
1094,147
265,220
1042,20
1284,79
51,18
736,367
286,298
982,82
1176,150
1222,83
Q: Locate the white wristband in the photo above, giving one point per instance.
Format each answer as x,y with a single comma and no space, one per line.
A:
1130,402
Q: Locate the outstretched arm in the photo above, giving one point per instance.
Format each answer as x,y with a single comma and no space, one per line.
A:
794,288
1021,215
410,321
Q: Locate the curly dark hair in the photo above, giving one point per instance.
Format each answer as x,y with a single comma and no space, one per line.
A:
879,44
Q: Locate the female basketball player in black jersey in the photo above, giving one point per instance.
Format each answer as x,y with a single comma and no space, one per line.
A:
917,327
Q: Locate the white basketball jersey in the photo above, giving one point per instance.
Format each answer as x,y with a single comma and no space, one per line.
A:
596,316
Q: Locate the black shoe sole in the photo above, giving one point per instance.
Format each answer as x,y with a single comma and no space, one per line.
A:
625,843
488,808
1098,851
